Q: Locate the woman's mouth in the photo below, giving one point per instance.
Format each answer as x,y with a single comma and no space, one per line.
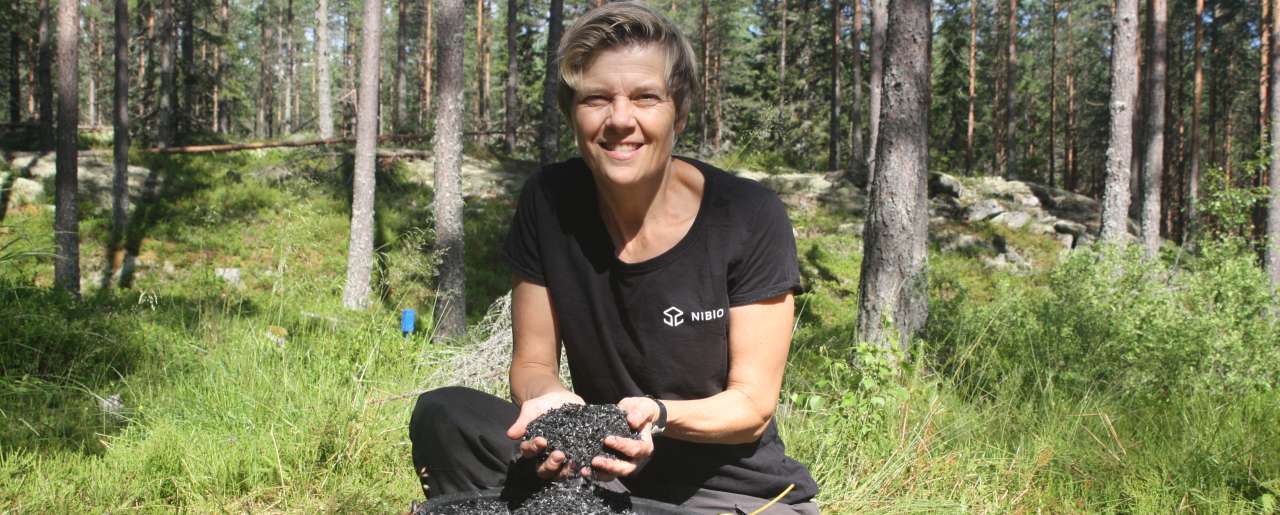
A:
622,150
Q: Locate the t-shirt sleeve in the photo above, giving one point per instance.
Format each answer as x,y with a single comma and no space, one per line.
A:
521,248
765,265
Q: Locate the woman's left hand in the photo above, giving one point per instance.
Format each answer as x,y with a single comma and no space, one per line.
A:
642,413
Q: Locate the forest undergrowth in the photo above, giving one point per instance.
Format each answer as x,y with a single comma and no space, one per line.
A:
1096,383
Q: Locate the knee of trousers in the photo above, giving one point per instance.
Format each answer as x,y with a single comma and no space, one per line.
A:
437,410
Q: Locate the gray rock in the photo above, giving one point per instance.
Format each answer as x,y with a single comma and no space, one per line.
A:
1012,219
983,209
968,244
23,191
946,185
1069,227
229,275
1067,240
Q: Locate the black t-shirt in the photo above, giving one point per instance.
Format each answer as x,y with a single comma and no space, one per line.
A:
660,327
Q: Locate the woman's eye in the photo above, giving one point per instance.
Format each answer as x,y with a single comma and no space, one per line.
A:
648,100
595,100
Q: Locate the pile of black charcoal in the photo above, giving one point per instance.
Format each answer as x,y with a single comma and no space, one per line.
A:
579,432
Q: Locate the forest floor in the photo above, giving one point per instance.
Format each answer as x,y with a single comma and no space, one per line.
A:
230,378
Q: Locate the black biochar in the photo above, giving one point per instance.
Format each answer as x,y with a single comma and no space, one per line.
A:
579,431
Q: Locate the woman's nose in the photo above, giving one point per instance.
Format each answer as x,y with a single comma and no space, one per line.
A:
621,113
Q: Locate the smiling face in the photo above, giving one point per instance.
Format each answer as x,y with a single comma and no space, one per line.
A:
623,116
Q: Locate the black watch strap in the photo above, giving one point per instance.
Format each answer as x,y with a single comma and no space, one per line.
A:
661,425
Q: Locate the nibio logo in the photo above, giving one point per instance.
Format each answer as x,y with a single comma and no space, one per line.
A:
673,316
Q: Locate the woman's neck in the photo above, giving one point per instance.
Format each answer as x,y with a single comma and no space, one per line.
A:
666,198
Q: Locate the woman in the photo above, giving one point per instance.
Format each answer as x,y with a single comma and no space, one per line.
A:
668,282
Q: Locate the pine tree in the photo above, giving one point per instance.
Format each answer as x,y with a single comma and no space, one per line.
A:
66,223
1153,170
1115,204
355,295
450,313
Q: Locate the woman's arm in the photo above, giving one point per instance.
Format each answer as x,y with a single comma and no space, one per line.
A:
759,340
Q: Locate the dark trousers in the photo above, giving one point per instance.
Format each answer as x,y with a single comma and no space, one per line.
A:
460,444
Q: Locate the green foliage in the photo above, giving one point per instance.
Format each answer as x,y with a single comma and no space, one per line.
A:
1228,208
1109,322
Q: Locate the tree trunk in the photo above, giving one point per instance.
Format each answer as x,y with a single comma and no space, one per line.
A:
290,79
894,283
66,223
450,313
1264,71
1153,164
189,80
1271,256
1115,205
484,40
513,81
168,93
95,41
1010,90
973,85
223,22
146,73
782,56
1193,172
349,65
324,90
833,147
428,62
355,295
398,101
719,88
879,18
1072,177
549,132
856,155
706,66
120,135
1053,94
44,74
15,82
266,81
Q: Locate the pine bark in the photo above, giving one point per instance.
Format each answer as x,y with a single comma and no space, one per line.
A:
1271,255
355,295
120,137
1264,71
266,77
1010,96
187,109
833,147
549,132
1115,201
44,74
719,89
856,155
224,24
399,102
482,79
510,109
1193,171
288,70
894,283
706,67
324,89
1072,176
973,85
66,223
427,61
168,93
1153,169
91,23
15,82
879,18
450,312
1053,94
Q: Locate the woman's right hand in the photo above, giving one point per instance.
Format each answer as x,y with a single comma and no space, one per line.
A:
555,463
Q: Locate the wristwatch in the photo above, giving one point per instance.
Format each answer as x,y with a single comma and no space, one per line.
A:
661,425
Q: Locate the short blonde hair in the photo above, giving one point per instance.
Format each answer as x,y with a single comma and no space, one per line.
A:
624,24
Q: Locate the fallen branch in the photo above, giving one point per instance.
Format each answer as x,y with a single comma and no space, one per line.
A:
231,147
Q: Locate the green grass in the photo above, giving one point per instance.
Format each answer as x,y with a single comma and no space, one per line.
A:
1071,388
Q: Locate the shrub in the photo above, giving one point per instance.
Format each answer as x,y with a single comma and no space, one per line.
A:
1109,321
